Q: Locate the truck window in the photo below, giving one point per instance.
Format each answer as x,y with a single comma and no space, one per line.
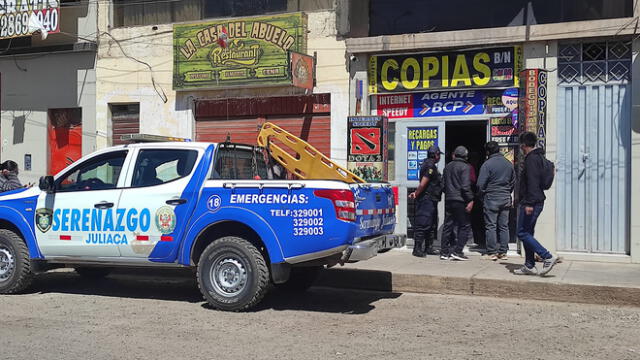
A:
239,162
160,166
99,173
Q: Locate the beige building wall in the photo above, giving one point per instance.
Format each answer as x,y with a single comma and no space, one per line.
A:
123,78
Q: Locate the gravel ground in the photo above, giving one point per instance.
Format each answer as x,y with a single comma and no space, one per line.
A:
138,316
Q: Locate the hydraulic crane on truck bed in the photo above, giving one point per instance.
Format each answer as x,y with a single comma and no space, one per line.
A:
309,163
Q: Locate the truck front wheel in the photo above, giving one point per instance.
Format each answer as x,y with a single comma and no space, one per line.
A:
232,274
15,264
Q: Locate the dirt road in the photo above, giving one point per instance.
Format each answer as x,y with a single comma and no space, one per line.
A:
140,317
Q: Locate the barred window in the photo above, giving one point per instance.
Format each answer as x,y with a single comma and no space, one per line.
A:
594,62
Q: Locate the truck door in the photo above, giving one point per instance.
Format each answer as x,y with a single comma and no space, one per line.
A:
80,218
162,186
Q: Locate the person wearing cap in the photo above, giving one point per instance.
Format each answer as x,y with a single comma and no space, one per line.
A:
458,203
427,196
495,184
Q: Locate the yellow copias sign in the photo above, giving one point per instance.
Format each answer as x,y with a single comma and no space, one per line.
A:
467,69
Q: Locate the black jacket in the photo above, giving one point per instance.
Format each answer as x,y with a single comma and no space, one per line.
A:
531,192
457,181
429,169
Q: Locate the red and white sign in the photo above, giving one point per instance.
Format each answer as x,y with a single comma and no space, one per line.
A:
395,106
23,17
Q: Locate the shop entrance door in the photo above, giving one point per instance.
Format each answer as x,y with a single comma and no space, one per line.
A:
412,140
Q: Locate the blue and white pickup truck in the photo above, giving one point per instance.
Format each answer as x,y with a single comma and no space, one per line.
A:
211,207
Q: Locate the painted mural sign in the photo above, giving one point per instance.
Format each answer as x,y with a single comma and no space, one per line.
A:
447,103
367,147
238,52
534,103
22,17
419,140
483,68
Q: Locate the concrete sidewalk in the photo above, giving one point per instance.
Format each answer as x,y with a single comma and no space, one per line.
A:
572,281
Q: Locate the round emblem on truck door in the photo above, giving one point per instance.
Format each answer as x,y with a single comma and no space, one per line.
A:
165,220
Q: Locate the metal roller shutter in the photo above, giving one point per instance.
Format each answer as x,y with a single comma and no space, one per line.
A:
307,117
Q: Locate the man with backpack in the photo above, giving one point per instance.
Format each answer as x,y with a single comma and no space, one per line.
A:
536,177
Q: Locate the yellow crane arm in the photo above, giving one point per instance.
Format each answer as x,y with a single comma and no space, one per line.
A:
308,163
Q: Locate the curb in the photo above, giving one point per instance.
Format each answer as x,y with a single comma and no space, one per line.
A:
444,285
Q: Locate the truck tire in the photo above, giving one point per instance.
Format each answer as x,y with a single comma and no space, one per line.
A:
301,279
15,264
232,274
93,272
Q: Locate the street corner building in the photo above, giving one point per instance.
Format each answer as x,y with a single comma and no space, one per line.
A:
465,74
372,84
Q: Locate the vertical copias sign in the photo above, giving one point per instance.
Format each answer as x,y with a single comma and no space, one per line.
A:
16,15
237,52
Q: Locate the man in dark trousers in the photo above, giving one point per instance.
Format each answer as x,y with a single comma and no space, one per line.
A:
458,203
531,204
495,184
427,196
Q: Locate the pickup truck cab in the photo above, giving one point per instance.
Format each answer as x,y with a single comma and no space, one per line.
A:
212,207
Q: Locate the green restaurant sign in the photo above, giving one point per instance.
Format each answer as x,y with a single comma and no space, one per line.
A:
237,52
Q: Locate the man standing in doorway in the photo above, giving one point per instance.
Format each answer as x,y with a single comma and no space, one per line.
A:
458,203
495,184
427,196
531,204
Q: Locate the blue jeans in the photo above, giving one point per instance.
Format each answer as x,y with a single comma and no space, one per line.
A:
496,220
526,227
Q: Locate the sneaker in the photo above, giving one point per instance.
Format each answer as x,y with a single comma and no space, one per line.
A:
503,256
444,257
495,257
417,254
487,256
459,257
548,264
524,270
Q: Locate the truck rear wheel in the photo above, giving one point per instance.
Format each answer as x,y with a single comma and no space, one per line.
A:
15,264
232,274
301,279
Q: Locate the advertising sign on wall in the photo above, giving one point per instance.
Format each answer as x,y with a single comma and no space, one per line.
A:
367,147
240,52
15,16
419,140
534,103
483,68
447,103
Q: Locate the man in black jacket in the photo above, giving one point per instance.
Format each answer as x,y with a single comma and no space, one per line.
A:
427,196
531,204
458,203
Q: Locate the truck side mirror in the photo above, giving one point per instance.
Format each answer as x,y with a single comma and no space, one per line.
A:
46,184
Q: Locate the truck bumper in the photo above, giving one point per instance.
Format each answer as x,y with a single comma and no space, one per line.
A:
366,249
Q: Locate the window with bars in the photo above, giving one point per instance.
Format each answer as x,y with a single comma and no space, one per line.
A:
594,62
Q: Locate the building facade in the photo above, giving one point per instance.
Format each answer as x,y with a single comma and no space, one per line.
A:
47,86
452,77
212,71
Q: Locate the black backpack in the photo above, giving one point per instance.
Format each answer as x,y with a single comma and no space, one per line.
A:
548,173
